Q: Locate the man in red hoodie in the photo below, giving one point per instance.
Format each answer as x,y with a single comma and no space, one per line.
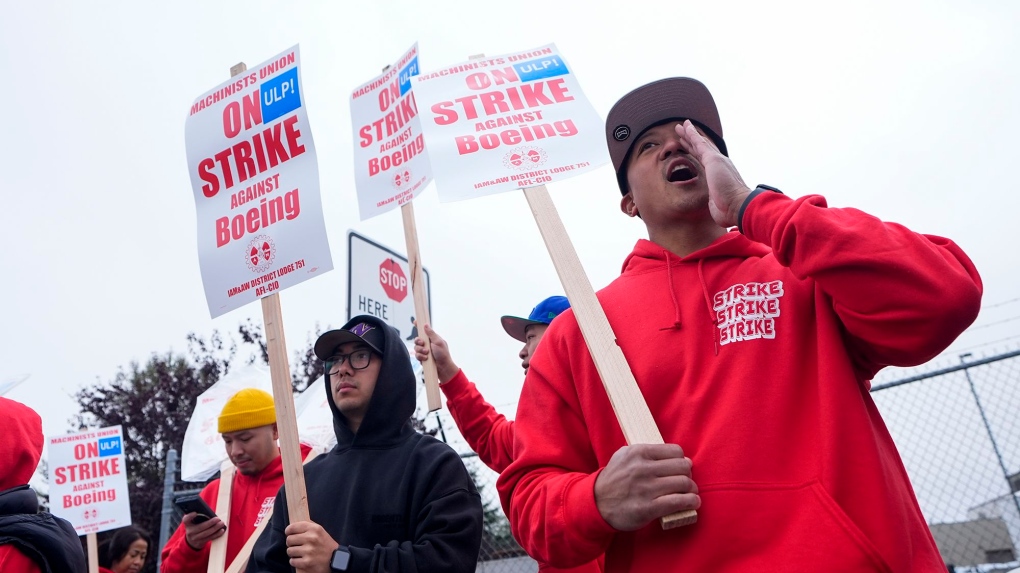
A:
248,425
754,348
487,431
30,541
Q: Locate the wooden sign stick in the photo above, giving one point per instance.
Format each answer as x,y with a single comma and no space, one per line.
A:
283,397
421,305
218,547
93,556
624,394
241,559
286,416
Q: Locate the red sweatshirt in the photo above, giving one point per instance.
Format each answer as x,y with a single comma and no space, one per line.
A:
30,541
754,354
250,499
487,431
23,437
14,561
491,435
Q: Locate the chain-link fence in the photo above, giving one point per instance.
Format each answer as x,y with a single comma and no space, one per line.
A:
499,553
958,433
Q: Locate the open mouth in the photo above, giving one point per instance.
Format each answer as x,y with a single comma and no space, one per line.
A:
680,173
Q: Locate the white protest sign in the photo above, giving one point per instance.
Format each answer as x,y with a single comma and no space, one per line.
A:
203,451
507,122
378,284
256,183
88,480
391,164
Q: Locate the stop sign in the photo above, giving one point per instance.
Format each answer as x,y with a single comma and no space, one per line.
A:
392,279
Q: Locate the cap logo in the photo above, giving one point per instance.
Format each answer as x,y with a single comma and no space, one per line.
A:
621,132
361,329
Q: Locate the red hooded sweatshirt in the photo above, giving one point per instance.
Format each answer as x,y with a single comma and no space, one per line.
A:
250,499
754,354
23,444
491,435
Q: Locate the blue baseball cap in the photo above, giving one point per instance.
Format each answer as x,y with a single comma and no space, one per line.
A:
543,313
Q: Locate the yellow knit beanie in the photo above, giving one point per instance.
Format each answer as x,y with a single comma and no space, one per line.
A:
249,408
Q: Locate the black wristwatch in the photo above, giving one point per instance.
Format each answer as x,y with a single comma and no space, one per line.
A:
757,191
341,559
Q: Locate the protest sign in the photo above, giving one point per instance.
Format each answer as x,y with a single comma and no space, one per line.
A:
278,96
507,122
391,164
393,143
88,480
254,175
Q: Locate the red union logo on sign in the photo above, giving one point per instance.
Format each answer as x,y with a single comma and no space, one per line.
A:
392,279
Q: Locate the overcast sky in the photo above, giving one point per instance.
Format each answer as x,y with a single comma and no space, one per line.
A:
907,111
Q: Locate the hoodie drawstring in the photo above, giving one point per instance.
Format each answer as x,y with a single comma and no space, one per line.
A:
708,305
676,303
672,293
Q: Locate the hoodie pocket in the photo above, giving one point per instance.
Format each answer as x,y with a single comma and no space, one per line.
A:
797,525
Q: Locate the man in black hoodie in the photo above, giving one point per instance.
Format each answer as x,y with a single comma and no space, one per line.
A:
386,498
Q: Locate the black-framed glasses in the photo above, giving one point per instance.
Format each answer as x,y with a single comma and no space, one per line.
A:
359,360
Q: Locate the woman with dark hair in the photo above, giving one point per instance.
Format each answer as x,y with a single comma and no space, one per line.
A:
125,552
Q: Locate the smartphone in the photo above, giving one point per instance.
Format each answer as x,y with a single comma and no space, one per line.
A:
194,503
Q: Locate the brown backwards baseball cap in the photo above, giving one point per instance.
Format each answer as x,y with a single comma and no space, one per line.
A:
655,103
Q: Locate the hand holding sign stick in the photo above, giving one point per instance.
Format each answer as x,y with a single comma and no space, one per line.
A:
624,394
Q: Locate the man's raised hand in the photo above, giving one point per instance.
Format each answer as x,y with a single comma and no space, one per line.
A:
445,366
726,189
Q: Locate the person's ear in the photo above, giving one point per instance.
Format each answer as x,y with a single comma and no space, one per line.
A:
628,206
276,432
